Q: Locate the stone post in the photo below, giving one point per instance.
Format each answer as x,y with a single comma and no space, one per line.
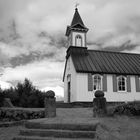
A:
99,104
50,104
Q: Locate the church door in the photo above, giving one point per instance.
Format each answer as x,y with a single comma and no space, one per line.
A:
69,92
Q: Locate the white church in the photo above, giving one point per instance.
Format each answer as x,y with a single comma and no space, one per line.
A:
115,73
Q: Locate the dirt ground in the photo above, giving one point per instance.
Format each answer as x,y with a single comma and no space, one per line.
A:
109,128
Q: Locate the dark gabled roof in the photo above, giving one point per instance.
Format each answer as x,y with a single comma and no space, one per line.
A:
95,61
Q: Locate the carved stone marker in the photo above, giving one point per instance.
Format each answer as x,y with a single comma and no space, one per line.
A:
99,104
7,103
50,104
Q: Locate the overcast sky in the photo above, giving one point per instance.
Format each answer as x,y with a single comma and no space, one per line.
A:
33,42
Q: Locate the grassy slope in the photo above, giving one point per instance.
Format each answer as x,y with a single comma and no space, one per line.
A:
119,127
7,133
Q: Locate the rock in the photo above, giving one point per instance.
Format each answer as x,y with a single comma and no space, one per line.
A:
7,103
99,93
50,94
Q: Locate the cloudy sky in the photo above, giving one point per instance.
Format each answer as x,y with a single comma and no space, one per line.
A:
33,42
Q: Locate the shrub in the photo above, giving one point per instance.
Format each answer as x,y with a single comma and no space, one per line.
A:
24,95
130,108
1,97
17,114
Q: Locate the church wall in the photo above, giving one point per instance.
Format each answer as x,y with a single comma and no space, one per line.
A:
121,96
83,95
65,88
70,70
82,88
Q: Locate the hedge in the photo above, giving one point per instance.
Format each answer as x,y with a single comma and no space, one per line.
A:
17,114
130,109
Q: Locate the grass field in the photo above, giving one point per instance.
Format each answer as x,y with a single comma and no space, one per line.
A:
111,128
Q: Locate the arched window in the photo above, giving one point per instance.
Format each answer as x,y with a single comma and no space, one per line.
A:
121,82
78,41
97,82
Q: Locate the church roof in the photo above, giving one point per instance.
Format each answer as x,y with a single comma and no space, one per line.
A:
76,24
77,18
95,61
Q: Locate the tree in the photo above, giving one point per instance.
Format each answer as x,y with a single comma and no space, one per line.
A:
23,95
10,93
1,97
24,91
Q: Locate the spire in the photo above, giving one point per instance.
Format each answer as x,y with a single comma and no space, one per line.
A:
76,24
76,18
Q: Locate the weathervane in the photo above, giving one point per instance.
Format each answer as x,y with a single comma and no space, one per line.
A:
76,5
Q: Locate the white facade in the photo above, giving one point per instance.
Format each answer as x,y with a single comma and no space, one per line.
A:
70,71
76,85
80,93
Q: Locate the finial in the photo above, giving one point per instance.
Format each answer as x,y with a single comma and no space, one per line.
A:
76,5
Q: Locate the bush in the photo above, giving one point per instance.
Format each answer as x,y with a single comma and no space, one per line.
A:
17,114
24,95
1,98
131,108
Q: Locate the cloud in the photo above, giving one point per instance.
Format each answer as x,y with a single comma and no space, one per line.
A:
20,37
114,23
128,45
59,91
46,73
32,34
109,21
5,85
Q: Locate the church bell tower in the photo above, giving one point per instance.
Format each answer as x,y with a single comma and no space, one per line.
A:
76,32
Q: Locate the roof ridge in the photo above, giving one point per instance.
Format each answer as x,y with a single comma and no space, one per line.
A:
114,52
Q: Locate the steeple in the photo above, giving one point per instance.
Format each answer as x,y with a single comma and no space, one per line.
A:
76,32
77,19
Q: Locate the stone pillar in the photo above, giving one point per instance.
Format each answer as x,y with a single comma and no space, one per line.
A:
99,104
50,104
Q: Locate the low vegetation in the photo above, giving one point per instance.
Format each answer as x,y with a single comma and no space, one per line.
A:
18,114
110,128
7,133
129,109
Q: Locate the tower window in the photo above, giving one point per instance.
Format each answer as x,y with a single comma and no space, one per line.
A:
78,40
